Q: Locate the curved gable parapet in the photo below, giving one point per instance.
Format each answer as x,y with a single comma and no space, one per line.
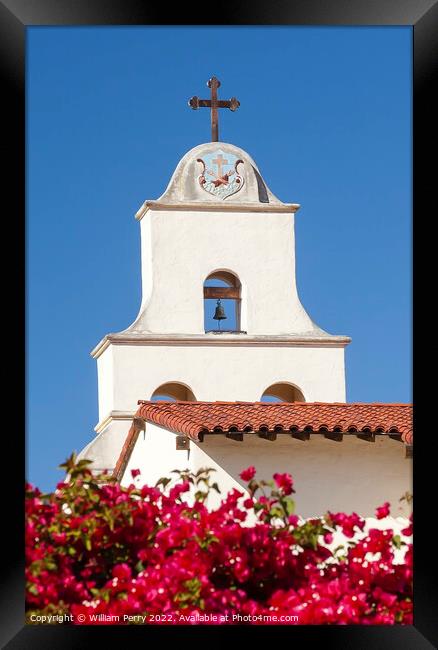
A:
218,172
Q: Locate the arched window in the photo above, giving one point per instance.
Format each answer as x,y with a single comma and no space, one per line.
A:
282,392
173,391
225,287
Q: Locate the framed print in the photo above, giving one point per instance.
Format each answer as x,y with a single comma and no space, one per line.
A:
251,327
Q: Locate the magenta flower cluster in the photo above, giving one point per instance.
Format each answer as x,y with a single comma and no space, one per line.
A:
94,547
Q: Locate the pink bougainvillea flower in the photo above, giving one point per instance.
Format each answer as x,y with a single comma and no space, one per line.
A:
383,511
100,551
409,528
284,482
122,571
248,473
135,472
348,523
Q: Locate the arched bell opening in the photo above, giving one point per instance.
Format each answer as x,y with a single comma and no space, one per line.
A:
282,392
222,302
173,391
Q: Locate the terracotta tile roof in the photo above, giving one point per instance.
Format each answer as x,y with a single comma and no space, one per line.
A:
197,418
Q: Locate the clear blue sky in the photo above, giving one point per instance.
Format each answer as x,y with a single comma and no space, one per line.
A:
326,114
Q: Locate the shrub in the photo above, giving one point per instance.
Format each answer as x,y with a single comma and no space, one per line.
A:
102,553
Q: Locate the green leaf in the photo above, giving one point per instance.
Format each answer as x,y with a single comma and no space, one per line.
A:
397,541
84,462
276,511
164,481
338,548
51,565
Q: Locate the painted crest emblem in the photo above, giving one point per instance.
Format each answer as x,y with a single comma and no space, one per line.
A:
219,175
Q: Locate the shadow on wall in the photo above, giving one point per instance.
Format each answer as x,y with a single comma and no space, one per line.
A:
328,475
282,392
263,194
172,391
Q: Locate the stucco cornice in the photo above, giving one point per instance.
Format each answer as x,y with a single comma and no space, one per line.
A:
111,416
213,340
213,206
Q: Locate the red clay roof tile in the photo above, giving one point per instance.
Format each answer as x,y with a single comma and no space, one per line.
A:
194,418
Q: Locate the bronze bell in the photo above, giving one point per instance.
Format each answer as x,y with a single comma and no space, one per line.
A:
219,313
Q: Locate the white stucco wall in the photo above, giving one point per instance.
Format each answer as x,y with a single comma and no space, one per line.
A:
226,373
352,475
105,379
104,449
181,248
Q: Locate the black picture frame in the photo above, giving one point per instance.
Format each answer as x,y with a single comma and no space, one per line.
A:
15,17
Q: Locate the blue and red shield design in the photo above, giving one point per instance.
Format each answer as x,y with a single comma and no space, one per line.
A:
219,175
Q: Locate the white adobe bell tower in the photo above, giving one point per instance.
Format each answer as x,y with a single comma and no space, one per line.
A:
217,219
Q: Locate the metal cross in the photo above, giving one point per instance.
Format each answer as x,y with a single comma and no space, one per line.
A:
214,103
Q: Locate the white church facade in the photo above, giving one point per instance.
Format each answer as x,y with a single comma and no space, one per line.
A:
219,234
